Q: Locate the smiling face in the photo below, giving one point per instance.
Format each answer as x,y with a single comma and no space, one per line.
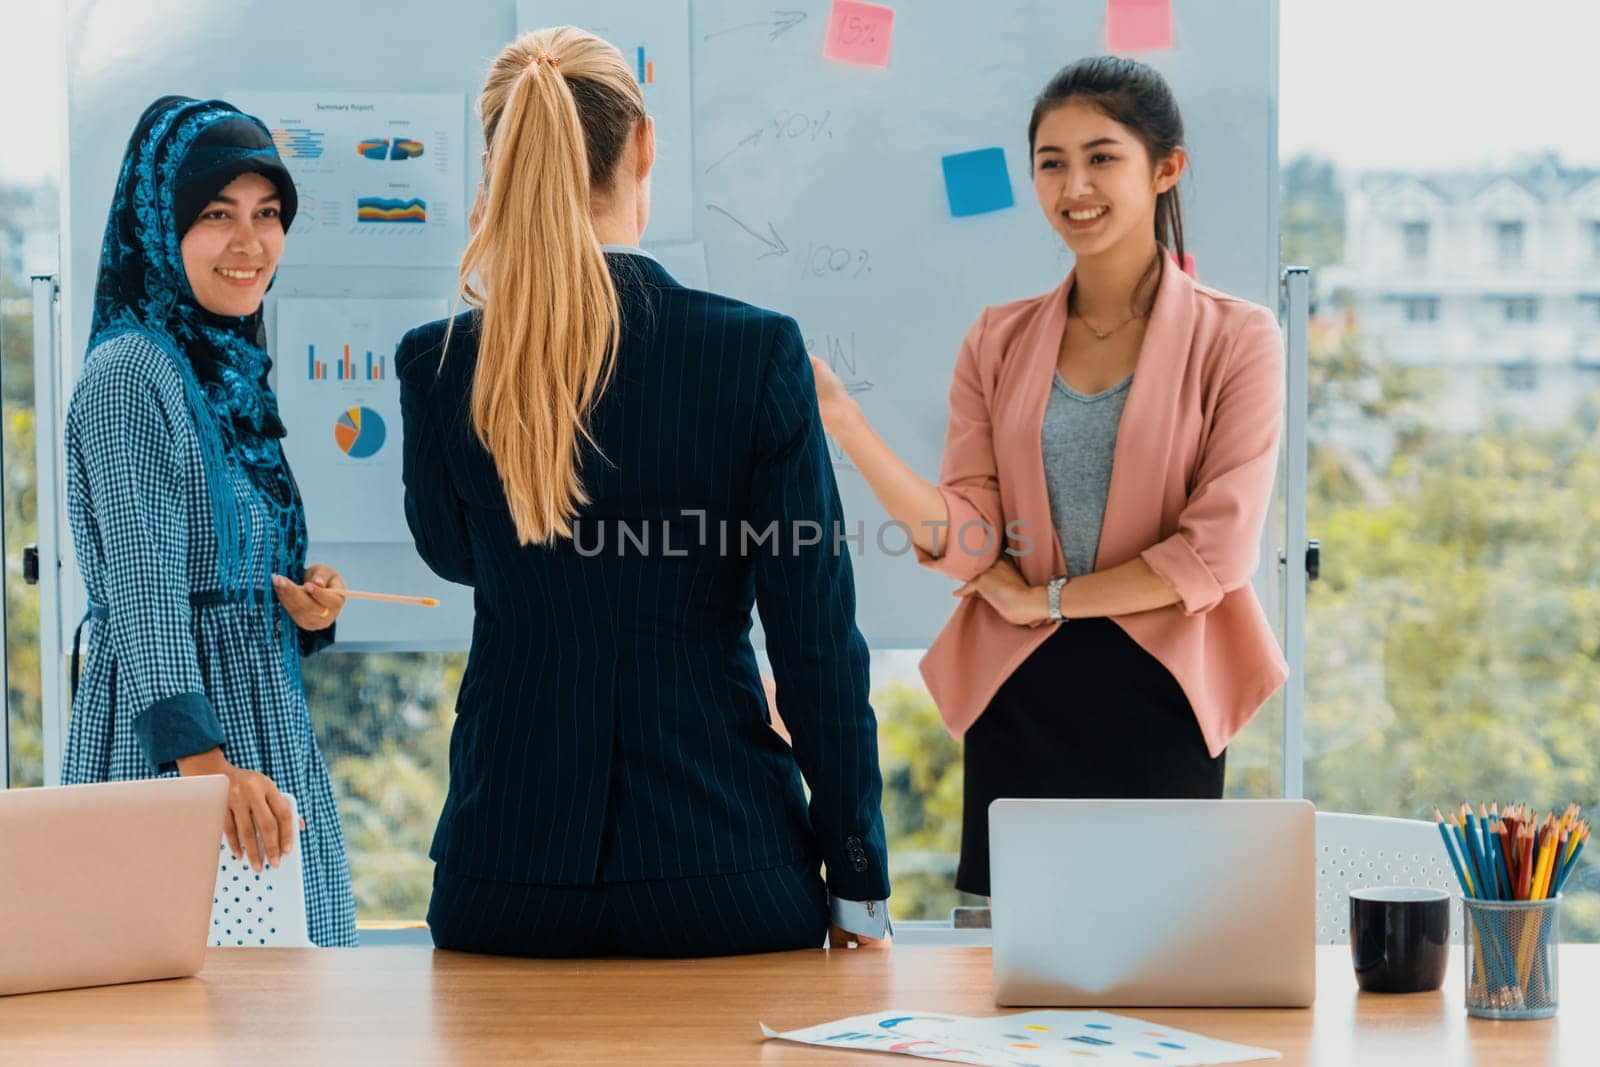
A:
1094,179
232,250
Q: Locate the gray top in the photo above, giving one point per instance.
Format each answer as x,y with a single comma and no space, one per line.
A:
1079,441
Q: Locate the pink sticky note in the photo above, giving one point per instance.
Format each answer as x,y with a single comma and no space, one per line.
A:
1138,25
859,33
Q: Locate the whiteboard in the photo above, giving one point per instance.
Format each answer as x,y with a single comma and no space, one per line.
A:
811,186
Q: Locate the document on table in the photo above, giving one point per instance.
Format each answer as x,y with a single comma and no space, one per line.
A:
1038,1038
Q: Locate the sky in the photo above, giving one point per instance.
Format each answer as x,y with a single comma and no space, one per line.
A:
30,100
1403,84
1438,84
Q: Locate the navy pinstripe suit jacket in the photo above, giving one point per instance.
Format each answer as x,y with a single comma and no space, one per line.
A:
611,724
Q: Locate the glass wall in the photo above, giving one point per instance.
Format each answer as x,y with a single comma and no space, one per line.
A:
384,723
16,437
384,719
1453,643
29,171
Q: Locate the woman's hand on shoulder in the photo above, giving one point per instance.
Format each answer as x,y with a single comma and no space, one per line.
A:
315,603
839,408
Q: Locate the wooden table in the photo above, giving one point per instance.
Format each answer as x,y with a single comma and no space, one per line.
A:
412,1005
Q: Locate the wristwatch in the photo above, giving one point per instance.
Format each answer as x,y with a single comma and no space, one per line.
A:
1052,596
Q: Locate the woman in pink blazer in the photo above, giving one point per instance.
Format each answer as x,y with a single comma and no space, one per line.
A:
1108,465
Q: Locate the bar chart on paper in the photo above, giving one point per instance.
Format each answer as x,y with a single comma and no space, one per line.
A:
345,369
341,405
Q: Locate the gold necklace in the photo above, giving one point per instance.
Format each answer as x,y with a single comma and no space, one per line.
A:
1101,335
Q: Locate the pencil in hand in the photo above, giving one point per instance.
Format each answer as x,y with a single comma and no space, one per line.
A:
386,598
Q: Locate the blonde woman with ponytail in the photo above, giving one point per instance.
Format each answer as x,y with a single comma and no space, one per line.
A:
622,468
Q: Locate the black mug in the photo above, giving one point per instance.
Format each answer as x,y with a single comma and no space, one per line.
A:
1399,938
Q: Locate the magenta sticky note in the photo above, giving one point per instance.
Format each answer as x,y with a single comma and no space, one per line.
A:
1138,25
859,33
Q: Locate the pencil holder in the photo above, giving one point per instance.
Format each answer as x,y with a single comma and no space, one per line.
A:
1511,948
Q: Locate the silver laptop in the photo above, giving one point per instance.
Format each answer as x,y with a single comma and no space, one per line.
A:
107,883
1170,903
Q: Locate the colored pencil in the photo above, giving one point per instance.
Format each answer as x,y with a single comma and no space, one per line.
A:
1491,855
1550,861
1510,852
1503,855
1480,869
1577,829
1450,850
1502,866
1541,876
1525,882
1572,861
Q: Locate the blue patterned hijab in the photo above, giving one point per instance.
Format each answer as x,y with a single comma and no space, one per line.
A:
182,153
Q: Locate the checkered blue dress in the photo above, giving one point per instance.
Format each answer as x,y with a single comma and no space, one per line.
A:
141,518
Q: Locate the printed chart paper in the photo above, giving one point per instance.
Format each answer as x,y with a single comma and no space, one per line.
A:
381,176
1039,1038
340,402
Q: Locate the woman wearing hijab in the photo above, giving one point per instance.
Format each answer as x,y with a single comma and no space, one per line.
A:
188,525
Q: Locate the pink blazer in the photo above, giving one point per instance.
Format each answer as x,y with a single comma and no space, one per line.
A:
1191,482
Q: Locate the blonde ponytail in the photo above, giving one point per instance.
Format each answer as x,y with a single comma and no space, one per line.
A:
556,104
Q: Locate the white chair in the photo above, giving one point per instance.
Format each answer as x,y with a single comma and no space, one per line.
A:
265,910
1354,851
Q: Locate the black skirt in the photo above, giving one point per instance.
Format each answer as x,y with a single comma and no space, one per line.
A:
1090,714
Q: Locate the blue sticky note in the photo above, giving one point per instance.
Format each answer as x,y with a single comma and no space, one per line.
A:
977,182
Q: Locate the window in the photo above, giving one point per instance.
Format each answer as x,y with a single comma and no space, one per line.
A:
1414,239
25,728
1519,309
28,227
384,720
1520,377
1421,309
1508,241
1445,642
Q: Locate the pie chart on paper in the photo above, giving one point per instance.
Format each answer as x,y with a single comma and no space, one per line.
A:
359,433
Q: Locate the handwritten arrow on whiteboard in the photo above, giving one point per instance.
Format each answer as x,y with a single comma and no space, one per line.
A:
780,23
775,247
752,139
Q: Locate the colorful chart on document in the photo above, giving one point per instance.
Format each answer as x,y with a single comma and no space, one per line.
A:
1026,1039
381,176
359,433
340,401
384,148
